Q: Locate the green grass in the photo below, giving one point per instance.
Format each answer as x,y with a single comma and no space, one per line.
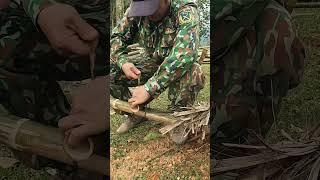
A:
23,173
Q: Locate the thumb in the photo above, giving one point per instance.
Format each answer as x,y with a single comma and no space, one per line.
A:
70,122
84,30
135,70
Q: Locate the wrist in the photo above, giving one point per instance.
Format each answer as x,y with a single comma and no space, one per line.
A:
152,88
121,60
34,7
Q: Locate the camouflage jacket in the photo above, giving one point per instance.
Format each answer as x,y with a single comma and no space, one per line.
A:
26,11
173,42
19,19
232,18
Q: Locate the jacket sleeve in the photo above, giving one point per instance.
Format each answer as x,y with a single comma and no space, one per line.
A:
122,36
34,7
182,55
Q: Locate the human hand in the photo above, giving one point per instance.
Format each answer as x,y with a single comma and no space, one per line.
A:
88,114
139,96
131,71
66,30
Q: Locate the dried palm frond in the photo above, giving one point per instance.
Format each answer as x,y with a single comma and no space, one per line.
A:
288,159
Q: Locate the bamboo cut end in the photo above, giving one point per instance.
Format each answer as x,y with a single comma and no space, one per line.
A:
80,153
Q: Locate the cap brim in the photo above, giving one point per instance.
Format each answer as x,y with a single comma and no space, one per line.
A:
143,8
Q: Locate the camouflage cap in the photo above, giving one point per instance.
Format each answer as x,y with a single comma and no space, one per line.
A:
143,7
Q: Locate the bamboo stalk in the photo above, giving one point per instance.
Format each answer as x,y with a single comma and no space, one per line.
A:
203,55
45,141
134,52
149,114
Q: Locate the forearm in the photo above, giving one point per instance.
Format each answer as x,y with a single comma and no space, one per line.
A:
34,7
118,50
170,71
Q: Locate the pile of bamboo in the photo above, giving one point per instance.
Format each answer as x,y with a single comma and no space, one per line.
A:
289,159
193,120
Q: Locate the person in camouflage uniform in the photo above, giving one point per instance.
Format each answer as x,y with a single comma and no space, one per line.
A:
33,59
257,58
169,34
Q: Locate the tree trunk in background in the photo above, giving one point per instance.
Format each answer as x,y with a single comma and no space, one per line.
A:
118,8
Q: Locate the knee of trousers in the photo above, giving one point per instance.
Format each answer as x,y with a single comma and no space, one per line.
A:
197,78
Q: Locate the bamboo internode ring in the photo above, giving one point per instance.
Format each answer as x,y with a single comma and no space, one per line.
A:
134,109
114,104
80,153
13,135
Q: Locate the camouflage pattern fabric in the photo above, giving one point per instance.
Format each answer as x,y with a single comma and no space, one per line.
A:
257,58
170,58
30,68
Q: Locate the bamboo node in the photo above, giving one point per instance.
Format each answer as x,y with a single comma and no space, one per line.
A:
81,153
114,104
12,137
134,109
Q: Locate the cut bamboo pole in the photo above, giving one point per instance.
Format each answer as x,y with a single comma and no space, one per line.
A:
29,136
203,55
153,115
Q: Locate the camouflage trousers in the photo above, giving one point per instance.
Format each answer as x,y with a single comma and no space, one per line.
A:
181,93
250,80
30,69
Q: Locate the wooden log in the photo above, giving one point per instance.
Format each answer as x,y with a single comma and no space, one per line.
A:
150,114
133,46
33,137
203,56
134,52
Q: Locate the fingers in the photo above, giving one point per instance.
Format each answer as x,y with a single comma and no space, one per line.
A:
78,46
77,135
131,72
135,71
134,101
69,122
84,30
132,76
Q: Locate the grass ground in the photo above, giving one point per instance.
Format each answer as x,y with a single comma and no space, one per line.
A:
144,154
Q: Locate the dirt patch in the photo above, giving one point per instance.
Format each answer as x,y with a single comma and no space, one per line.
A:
156,159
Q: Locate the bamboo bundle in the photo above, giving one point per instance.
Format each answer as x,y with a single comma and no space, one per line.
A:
195,120
289,159
28,136
134,46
